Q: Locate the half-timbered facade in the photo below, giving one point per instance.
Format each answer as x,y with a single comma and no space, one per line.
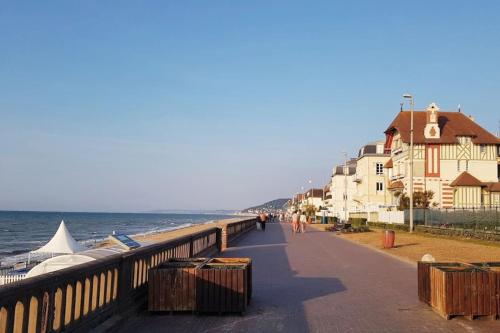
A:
448,148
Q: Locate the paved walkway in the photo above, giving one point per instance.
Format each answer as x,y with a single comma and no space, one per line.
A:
318,282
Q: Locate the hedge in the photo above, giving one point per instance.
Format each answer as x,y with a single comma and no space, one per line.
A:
403,227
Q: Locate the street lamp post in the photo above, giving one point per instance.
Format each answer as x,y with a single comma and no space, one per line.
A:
410,97
346,171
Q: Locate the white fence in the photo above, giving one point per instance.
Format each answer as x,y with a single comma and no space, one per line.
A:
5,279
393,217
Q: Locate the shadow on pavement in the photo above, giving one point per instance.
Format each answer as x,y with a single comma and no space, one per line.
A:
278,298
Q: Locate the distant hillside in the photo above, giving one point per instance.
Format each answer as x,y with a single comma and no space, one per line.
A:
271,205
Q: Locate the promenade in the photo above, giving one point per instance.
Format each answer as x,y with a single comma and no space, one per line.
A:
317,282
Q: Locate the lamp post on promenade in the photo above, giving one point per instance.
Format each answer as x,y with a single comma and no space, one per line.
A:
310,186
410,97
346,171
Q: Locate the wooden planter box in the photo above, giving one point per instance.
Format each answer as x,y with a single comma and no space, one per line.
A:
462,290
424,278
495,268
222,288
172,285
246,261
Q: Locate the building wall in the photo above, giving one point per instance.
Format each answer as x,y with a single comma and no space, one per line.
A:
491,198
338,189
367,197
467,196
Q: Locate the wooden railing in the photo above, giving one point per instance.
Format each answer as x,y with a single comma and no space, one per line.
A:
80,297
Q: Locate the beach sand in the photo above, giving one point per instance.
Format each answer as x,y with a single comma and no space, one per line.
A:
171,234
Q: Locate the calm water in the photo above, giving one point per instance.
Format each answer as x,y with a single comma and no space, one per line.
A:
21,232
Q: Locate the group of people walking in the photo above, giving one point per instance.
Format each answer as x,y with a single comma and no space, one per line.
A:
299,220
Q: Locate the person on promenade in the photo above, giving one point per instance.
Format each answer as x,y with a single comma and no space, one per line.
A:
257,222
303,221
263,219
295,222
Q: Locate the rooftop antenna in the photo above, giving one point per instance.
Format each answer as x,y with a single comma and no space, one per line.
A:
459,108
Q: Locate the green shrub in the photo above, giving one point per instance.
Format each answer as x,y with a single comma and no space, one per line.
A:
402,227
357,221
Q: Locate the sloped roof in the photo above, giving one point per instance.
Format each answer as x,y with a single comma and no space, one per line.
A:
452,125
388,164
315,193
493,187
466,179
396,185
61,243
339,170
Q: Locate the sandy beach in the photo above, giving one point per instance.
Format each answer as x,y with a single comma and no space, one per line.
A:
171,234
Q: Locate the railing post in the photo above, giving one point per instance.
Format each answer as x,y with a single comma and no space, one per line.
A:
124,282
191,247
222,239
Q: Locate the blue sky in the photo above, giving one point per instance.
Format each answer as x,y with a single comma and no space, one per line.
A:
143,105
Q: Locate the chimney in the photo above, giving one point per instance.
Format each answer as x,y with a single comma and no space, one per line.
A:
432,130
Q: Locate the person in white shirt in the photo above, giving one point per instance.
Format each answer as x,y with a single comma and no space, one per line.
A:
303,221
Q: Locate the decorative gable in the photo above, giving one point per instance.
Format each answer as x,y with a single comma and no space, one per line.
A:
432,130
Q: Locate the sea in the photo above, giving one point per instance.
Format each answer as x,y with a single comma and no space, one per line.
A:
22,232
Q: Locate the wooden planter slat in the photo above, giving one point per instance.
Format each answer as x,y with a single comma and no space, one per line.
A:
222,288
247,262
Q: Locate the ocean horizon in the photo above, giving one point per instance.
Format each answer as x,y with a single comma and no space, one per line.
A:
25,231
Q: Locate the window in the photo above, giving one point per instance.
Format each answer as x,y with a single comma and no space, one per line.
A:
380,186
379,169
432,161
462,165
482,149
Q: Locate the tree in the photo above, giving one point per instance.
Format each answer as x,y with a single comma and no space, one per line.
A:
309,210
421,199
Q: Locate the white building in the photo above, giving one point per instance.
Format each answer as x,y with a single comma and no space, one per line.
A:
371,192
343,190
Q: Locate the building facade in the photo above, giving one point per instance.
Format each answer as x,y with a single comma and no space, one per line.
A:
371,193
453,157
343,190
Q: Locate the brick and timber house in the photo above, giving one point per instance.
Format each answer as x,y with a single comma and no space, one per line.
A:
454,157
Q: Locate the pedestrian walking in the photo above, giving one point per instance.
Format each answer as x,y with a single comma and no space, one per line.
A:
263,220
303,221
295,222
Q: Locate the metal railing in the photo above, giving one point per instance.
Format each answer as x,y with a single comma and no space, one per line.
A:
482,218
80,297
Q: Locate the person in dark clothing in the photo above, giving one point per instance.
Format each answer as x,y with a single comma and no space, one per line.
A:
263,220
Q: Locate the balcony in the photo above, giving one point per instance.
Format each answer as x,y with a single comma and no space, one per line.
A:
396,177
